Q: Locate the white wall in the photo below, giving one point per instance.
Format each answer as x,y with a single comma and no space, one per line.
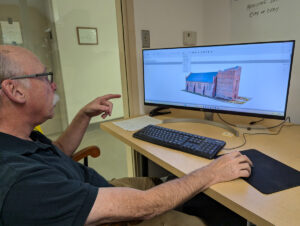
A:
282,24
216,22
88,71
166,20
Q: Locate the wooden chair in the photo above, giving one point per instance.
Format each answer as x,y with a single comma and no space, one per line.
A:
84,153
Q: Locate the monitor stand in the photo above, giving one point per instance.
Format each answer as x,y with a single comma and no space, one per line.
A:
157,111
208,119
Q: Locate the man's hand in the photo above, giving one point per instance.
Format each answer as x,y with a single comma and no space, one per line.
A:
100,106
69,141
230,166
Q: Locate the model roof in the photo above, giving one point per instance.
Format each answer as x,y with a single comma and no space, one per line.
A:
207,77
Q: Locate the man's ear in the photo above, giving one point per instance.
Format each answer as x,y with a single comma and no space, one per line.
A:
13,91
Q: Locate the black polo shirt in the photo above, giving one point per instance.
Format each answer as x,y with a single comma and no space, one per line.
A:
40,185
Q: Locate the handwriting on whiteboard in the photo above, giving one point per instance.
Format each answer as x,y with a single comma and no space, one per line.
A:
261,7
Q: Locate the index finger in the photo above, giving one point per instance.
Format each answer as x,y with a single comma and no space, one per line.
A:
111,96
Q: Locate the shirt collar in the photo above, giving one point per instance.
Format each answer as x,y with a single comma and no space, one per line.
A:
19,146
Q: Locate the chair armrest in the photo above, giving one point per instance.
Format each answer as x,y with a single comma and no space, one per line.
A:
93,151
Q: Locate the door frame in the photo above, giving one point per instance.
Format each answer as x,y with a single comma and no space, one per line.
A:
129,74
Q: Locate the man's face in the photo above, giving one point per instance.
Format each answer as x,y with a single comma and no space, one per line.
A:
42,97
40,94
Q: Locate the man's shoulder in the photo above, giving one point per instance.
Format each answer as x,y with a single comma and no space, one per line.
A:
7,161
12,163
9,174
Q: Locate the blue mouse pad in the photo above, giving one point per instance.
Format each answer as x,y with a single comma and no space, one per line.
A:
269,175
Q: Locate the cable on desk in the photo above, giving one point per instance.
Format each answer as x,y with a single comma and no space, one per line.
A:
249,128
254,122
228,123
280,124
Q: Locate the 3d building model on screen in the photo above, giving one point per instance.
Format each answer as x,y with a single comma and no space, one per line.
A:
222,85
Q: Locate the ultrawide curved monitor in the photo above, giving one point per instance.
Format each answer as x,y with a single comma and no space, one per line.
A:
246,79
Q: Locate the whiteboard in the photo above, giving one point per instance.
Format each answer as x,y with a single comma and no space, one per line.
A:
270,20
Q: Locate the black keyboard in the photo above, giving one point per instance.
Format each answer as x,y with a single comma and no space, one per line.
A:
186,142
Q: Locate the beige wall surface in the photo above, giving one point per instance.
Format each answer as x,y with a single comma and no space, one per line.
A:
216,22
88,71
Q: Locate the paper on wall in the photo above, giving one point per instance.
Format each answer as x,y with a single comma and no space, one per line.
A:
11,33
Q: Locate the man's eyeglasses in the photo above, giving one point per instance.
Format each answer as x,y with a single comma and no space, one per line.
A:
48,75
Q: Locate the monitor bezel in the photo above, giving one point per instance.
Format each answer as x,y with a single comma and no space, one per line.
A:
281,117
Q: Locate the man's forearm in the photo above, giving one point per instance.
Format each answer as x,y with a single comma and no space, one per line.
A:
119,204
173,193
69,141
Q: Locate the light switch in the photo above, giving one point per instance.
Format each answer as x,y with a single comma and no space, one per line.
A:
145,39
189,38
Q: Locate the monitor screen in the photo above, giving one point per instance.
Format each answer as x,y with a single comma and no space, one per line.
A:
247,79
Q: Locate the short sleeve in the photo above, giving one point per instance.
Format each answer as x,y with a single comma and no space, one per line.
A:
47,197
94,178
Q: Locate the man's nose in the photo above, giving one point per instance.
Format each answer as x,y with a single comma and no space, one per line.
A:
53,86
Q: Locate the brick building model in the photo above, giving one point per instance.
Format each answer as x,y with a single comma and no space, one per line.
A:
221,84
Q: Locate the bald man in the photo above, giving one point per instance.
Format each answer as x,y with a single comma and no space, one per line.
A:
41,185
